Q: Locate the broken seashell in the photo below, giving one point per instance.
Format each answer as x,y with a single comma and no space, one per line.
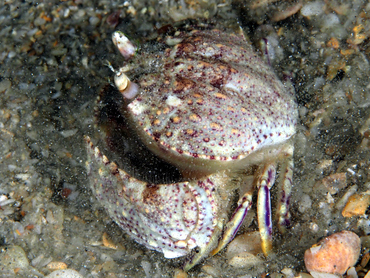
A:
334,254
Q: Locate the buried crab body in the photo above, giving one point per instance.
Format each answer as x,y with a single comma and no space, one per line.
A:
207,104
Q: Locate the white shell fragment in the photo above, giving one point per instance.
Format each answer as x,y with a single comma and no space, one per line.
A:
64,273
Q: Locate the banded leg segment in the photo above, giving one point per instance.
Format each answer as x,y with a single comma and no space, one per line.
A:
286,184
235,222
264,184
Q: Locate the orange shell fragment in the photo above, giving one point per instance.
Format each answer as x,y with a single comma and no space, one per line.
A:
333,43
334,254
357,205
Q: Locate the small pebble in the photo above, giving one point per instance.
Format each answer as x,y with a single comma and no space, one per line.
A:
109,266
249,242
5,85
113,19
179,273
59,51
69,133
332,183
288,272
14,257
331,20
316,274
287,12
334,254
57,265
211,270
304,275
365,128
343,201
325,165
245,259
94,20
305,203
39,21
365,241
107,242
313,8
365,259
64,273
352,273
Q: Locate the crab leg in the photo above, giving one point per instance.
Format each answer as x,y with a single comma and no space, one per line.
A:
236,220
286,184
264,184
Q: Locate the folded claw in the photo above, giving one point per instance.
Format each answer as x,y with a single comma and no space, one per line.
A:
203,250
264,183
169,218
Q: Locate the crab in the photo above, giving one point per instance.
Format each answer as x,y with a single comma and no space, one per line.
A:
208,107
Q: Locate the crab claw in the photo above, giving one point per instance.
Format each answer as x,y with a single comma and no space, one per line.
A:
128,89
169,218
264,184
124,45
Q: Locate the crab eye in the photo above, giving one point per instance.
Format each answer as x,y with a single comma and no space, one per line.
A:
124,45
128,89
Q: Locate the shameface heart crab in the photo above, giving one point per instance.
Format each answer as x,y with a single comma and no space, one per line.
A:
206,103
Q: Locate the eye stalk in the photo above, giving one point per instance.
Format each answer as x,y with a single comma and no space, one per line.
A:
124,45
128,89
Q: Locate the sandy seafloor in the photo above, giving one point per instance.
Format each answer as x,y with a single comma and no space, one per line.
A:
52,64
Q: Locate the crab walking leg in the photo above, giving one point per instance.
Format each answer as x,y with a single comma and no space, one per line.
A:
264,184
236,220
286,183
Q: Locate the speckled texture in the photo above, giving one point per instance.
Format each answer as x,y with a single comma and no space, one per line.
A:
208,97
211,96
169,218
52,65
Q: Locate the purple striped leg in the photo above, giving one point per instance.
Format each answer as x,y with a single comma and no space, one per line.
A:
235,221
264,183
286,184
